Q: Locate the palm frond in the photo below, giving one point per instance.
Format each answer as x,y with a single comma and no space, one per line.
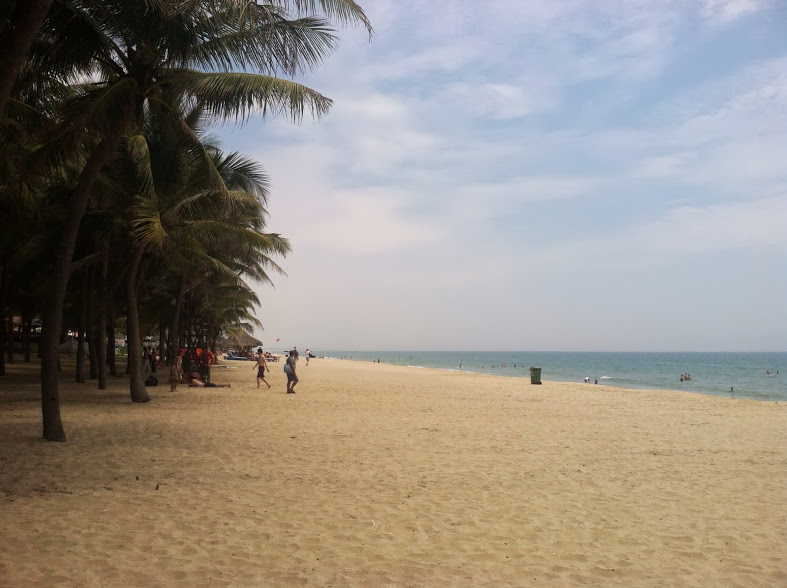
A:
238,95
241,173
100,108
145,224
346,12
139,152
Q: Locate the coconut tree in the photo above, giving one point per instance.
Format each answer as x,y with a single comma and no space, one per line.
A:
230,310
224,54
197,213
19,23
24,212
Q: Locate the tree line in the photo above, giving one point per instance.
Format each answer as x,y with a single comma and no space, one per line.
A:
115,200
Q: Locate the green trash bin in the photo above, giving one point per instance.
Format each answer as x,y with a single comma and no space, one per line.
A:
535,375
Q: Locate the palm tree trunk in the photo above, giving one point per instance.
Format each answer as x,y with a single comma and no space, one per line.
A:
101,345
101,319
53,309
3,298
80,368
136,379
111,358
16,41
26,322
91,325
174,330
92,347
2,347
11,339
162,339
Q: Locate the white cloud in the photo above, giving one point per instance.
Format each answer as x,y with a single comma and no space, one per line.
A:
661,166
502,195
690,230
533,166
501,101
365,223
447,58
726,11
679,233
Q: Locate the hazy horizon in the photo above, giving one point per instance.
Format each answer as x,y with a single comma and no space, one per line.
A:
642,351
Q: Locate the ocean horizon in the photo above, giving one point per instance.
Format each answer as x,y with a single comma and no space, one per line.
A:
758,375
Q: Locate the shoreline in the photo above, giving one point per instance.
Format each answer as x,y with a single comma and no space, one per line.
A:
737,384
375,474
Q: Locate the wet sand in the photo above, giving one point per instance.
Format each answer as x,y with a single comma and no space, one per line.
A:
378,475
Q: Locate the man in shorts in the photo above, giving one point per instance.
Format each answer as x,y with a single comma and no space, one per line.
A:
261,366
289,369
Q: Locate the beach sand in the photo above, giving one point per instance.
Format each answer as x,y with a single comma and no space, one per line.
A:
378,475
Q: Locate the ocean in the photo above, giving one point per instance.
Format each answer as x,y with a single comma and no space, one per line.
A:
762,376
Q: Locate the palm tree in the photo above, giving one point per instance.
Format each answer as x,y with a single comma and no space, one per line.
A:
199,214
224,55
230,311
21,20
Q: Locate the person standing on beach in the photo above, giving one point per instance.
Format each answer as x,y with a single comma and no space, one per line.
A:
289,369
146,360
261,366
174,377
307,356
176,371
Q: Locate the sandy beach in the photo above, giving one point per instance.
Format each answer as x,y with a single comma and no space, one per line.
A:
378,475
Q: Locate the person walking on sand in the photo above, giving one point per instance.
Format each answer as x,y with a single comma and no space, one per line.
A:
261,366
289,369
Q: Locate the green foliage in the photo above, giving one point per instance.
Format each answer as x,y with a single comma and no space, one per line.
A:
197,212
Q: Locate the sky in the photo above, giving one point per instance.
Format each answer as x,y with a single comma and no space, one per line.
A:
581,175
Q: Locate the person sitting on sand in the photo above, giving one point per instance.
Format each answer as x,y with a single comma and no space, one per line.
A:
195,380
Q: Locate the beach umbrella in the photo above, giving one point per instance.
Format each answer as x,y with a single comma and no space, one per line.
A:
243,339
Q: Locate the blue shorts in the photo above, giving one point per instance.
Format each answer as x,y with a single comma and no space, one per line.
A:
291,377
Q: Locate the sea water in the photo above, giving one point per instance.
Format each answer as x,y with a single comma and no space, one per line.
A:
762,376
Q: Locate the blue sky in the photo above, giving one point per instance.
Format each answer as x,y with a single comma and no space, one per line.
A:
528,175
